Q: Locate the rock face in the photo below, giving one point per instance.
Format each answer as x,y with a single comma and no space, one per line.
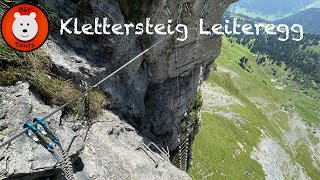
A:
107,150
154,92
150,97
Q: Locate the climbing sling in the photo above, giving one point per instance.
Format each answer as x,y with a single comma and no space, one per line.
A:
44,137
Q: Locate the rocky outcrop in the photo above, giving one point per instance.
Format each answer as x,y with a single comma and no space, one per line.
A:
106,150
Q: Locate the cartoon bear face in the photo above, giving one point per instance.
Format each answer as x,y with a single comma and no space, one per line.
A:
25,27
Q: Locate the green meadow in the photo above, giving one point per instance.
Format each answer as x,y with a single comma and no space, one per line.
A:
256,122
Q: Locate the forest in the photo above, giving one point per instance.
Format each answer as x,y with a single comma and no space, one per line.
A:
302,57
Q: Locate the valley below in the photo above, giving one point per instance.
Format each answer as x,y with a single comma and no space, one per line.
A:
256,124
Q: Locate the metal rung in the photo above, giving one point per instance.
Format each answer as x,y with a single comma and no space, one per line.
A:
184,149
146,149
185,145
186,141
186,137
165,154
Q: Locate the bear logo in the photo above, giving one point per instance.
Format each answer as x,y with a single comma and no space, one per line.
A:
25,27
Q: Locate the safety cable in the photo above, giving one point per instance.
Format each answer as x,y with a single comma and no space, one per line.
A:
83,93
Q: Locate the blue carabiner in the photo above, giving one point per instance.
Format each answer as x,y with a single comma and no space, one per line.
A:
42,139
54,138
30,126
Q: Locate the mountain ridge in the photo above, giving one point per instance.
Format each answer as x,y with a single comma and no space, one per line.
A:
273,10
307,18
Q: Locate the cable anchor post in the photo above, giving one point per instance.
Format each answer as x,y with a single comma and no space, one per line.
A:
204,7
180,8
186,7
166,8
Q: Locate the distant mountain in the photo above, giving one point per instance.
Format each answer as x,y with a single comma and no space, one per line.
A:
272,9
309,19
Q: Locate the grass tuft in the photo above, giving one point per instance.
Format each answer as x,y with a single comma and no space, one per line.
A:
58,91
7,78
97,100
19,60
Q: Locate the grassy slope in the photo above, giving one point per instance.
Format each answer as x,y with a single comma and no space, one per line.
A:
217,153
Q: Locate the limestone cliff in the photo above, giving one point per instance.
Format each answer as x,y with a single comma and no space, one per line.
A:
154,92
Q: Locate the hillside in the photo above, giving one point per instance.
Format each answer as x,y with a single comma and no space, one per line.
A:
302,57
256,124
272,9
309,19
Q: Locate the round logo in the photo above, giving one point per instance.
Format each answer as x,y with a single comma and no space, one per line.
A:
25,27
